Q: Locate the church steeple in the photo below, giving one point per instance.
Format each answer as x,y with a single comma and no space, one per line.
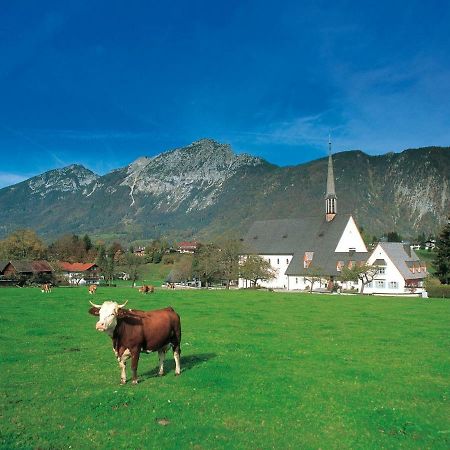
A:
330,198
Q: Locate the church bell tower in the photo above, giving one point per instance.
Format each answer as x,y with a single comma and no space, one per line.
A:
330,198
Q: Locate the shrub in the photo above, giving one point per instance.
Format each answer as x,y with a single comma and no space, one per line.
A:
435,289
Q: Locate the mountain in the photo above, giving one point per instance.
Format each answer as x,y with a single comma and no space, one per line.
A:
205,189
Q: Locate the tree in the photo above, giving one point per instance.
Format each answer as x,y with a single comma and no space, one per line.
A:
132,264
207,264
441,262
313,275
71,248
393,236
362,272
254,268
230,250
23,244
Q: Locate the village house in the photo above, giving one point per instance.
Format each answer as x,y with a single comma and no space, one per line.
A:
399,270
187,247
79,273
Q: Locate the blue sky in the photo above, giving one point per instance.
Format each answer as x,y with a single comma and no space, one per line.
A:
103,82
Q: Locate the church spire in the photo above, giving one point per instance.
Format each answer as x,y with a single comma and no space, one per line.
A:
330,198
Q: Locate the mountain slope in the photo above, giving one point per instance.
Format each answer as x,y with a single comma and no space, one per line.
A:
205,189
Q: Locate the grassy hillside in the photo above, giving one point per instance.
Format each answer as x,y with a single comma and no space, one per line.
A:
259,370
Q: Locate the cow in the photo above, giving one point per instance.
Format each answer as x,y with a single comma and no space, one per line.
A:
134,331
46,287
146,288
92,289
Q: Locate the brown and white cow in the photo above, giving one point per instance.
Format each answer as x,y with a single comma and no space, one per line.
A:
135,331
46,287
92,289
146,288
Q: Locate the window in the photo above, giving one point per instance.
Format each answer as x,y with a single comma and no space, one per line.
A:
339,266
278,261
287,260
381,270
393,284
379,284
296,281
269,260
369,285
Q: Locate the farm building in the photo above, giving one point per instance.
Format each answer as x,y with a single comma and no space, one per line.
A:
26,270
79,273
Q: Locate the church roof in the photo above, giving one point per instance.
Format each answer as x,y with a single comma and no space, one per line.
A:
300,236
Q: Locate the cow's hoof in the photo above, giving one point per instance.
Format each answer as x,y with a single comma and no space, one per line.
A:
122,382
134,382
160,374
177,374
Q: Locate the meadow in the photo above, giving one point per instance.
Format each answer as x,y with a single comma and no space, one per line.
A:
259,370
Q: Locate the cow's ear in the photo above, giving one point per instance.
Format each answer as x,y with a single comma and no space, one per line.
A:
121,312
94,311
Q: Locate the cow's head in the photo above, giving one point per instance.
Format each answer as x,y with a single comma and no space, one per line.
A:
108,313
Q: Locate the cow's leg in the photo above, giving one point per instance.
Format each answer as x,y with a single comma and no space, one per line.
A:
162,357
122,364
176,357
134,365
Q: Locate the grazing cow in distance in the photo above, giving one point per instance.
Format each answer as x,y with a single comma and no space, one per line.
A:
92,289
146,288
135,331
46,287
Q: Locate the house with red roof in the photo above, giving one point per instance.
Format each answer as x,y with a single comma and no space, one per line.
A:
79,273
187,247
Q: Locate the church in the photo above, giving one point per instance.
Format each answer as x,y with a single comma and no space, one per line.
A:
298,248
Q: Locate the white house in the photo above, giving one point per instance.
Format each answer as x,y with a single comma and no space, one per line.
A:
300,248
400,270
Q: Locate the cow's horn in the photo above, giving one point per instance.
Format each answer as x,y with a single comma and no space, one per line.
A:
121,306
96,306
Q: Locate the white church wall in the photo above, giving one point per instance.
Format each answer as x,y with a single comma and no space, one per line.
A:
351,239
280,264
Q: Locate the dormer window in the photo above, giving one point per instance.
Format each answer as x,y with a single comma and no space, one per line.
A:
307,259
339,266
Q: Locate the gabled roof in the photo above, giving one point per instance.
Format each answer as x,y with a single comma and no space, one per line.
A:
3,264
75,267
24,266
404,258
192,244
299,236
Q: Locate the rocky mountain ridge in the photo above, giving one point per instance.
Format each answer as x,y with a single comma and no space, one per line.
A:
206,189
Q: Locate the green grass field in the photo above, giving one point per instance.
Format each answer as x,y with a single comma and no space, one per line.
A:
259,370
